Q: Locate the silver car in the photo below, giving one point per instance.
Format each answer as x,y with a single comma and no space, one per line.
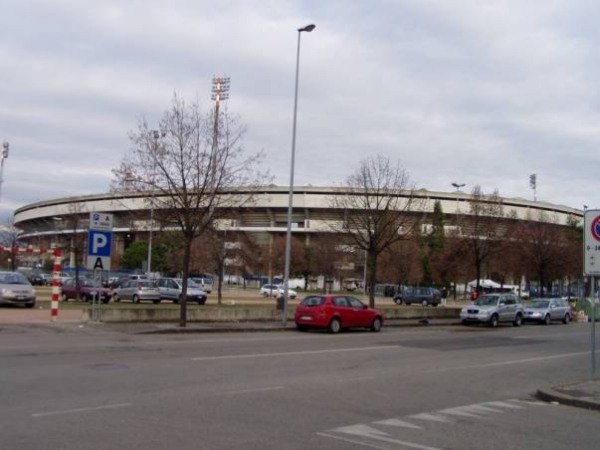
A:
137,291
494,309
15,289
171,289
545,310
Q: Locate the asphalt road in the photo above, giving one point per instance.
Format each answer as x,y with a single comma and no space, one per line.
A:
72,386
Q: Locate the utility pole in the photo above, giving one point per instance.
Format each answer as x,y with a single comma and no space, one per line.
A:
3,156
220,91
533,185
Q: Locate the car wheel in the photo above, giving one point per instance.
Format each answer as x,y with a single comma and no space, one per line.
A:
156,302
265,294
424,303
64,297
376,325
201,302
466,323
398,301
29,305
518,320
547,319
567,318
135,299
494,321
116,298
301,327
335,325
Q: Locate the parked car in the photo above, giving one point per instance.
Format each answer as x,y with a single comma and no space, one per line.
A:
37,279
137,291
88,290
420,295
336,312
276,290
205,283
494,309
172,288
15,289
545,310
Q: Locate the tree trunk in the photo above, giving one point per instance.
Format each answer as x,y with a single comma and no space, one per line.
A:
186,264
372,276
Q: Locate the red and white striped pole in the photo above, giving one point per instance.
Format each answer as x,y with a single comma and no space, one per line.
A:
55,284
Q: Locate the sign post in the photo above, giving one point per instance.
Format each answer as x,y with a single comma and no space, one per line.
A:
591,267
99,248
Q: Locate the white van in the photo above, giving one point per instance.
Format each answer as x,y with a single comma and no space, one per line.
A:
205,282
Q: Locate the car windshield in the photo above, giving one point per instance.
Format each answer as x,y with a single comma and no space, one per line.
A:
487,300
539,304
13,278
89,283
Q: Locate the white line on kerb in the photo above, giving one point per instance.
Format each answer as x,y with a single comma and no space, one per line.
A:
508,363
79,410
307,352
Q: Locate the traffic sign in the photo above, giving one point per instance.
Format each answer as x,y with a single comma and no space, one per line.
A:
591,244
99,246
101,221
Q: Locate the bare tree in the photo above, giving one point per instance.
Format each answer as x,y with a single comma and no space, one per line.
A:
9,238
376,209
188,173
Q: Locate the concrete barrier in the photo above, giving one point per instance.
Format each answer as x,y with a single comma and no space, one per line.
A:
249,314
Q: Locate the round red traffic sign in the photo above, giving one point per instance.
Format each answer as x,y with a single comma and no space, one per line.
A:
595,228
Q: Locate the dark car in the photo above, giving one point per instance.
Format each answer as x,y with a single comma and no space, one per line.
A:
336,312
419,295
38,279
88,290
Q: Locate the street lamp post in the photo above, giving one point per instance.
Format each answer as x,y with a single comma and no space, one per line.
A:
3,156
457,186
288,236
156,135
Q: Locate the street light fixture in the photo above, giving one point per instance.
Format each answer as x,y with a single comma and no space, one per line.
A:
458,185
288,236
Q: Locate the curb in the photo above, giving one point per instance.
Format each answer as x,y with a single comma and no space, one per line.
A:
551,395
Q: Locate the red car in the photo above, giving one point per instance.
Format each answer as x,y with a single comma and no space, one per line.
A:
335,312
88,291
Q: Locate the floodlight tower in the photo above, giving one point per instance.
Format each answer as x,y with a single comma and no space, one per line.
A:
220,91
3,156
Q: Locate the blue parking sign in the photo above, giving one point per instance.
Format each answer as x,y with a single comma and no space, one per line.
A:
99,243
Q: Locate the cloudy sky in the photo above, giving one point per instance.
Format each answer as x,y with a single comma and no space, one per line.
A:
469,91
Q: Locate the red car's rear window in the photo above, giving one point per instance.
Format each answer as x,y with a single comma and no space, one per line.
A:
313,301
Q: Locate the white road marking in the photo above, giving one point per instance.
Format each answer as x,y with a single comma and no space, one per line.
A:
372,433
458,411
397,423
508,363
505,405
369,435
252,391
80,410
430,417
345,380
307,352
